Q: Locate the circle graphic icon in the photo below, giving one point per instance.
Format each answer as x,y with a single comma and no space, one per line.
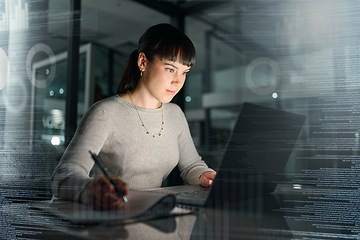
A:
32,69
269,80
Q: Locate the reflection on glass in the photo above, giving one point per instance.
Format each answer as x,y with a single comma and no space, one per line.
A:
164,228
50,101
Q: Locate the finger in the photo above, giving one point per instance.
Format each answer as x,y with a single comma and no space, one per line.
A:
112,201
205,182
116,202
102,194
123,185
105,201
210,175
106,184
110,198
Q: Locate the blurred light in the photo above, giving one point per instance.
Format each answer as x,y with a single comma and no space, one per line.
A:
61,90
188,99
51,93
297,186
274,95
4,69
15,104
55,141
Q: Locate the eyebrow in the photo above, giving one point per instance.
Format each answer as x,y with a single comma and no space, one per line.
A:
169,64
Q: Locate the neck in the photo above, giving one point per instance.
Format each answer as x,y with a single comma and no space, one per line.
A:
140,100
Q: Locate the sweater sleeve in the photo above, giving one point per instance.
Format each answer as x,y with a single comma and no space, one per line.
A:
190,164
72,173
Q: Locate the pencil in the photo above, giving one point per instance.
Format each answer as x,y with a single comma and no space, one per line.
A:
103,168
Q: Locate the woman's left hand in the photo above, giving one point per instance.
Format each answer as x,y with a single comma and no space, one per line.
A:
207,178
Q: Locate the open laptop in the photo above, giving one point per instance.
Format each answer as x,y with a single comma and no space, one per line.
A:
254,159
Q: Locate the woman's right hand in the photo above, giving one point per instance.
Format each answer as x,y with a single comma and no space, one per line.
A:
102,195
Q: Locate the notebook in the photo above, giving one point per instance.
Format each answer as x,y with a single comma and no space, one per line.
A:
254,159
141,206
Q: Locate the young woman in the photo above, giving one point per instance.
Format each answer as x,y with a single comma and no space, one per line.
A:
138,134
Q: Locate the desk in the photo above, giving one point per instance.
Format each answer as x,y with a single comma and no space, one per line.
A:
284,215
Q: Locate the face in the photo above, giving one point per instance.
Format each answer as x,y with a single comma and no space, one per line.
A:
163,79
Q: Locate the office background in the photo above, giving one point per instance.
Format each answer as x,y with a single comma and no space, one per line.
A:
299,56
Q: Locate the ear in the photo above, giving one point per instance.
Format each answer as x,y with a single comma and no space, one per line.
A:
142,61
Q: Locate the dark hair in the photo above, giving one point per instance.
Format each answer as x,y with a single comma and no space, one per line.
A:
164,41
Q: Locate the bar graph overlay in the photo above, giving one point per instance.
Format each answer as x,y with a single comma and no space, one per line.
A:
15,17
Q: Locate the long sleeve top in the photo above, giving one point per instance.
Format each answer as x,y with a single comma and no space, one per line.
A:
113,129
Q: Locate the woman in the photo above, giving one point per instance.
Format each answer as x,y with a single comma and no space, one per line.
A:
139,135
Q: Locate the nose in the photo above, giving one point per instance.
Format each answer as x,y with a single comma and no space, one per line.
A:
178,79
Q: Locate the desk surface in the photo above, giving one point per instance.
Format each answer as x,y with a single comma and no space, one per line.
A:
284,215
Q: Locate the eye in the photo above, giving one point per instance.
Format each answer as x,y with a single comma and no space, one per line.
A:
170,70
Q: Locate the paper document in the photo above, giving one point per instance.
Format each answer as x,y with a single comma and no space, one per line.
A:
141,205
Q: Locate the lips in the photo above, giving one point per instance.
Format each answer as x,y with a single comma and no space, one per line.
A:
170,91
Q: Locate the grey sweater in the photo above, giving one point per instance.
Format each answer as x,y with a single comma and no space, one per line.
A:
112,128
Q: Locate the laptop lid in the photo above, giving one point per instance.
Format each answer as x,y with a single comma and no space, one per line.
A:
256,154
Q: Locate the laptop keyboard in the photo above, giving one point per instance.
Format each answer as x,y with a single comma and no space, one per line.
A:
195,194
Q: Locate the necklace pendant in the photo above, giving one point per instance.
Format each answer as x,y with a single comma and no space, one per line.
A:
142,122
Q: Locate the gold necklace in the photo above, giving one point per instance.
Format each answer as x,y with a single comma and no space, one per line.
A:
142,122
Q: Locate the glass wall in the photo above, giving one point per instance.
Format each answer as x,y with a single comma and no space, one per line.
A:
297,56
27,122
49,100
108,67
279,54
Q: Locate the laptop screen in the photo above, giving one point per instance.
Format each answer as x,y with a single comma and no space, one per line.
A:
256,154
